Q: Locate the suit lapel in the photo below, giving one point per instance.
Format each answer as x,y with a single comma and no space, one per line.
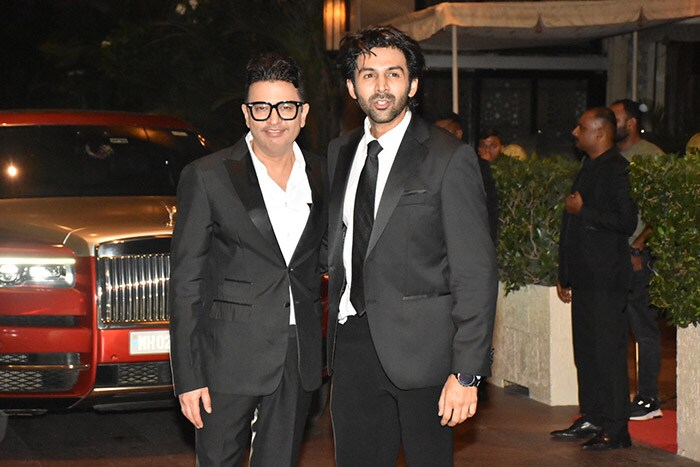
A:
410,155
346,154
245,182
307,241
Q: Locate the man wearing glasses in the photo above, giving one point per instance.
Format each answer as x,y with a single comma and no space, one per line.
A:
245,283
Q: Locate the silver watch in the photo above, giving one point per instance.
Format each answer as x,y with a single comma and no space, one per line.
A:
468,381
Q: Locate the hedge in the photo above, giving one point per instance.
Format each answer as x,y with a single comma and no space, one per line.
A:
667,189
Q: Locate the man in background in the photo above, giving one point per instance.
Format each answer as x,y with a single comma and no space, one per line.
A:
490,145
594,276
452,122
642,317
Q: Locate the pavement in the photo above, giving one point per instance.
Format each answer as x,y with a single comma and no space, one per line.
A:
509,429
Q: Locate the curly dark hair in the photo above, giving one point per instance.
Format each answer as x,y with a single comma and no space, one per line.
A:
352,46
273,66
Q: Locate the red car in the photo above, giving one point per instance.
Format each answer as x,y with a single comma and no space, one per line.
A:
86,213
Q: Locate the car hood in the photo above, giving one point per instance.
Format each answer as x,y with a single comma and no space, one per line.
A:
83,223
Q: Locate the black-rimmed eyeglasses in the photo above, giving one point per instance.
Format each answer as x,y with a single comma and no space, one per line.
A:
261,111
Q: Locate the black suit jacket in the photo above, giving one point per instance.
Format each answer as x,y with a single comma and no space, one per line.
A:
430,270
229,284
593,247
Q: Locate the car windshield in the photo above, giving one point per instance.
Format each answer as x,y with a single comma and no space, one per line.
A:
78,160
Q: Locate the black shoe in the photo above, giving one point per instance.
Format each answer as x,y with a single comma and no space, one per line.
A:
645,408
604,441
581,428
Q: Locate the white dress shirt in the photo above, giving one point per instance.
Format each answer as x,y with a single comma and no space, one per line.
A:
390,142
288,209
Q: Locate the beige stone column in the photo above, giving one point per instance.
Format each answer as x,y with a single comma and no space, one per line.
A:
688,391
533,345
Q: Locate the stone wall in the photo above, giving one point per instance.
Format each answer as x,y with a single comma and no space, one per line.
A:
688,391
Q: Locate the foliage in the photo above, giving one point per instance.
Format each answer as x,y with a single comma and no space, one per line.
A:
530,203
188,58
667,189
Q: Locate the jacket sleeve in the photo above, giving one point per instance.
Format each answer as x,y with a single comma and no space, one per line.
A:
188,261
472,263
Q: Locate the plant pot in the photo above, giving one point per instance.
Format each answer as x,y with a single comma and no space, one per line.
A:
533,345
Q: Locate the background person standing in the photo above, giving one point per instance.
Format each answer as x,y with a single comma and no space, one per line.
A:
594,276
642,317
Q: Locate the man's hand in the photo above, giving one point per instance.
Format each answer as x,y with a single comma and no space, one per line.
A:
456,403
189,404
574,203
564,293
637,263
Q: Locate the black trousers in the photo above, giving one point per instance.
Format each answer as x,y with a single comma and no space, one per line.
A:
645,329
600,353
372,418
276,422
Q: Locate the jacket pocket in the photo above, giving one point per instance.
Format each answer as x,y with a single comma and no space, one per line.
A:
231,311
408,298
412,197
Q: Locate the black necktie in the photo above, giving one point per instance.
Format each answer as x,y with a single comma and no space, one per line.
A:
363,219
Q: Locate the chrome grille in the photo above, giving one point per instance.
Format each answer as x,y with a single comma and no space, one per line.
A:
133,286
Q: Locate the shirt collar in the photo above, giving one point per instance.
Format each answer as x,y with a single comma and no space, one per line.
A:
390,140
299,161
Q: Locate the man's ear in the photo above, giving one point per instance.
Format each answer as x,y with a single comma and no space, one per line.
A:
633,123
413,87
351,88
600,132
304,112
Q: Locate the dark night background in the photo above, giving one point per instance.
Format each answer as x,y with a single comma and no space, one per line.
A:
173,57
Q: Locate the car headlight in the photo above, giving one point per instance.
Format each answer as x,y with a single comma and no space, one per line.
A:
38,272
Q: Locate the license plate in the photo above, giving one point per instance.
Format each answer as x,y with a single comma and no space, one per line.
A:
149,342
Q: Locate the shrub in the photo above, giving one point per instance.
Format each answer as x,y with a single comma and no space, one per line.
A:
530,204
667,189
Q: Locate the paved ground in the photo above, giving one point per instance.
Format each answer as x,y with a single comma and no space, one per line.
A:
510,429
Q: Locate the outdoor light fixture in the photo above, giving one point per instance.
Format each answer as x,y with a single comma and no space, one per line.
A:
11,171
334,22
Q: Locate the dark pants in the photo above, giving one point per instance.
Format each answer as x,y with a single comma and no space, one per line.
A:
645,329
276,422
600,353
372,417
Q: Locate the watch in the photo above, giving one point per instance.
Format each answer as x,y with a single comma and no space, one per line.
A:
468,381
635,251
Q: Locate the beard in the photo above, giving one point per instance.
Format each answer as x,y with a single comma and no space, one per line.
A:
387,115
621,134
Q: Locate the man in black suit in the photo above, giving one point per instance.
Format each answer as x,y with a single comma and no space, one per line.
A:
595,276
412,270
245,283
